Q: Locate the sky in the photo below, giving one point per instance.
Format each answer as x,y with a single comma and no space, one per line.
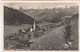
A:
38,5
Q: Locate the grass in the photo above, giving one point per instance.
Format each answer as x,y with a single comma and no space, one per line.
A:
11,29
55,41
51,40
8,30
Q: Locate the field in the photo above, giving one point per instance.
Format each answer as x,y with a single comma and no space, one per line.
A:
52,39
10,29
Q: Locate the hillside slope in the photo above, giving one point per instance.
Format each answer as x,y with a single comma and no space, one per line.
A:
15,17
54,39
50,14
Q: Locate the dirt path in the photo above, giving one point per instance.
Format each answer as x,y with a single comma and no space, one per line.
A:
51,37
47,34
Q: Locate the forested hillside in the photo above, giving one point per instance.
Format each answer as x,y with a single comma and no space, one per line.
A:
15,17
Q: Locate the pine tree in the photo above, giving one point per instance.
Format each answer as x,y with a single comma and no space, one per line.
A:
68,33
